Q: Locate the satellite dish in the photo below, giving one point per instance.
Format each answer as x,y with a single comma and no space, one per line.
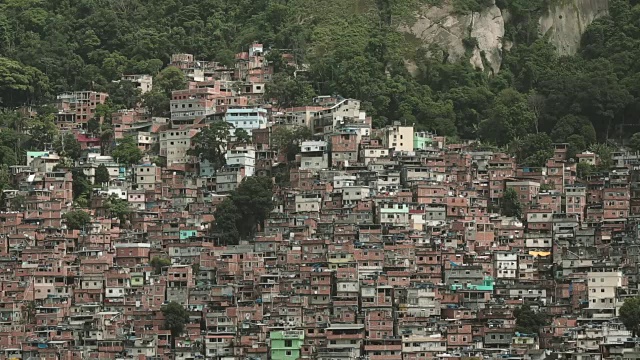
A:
247,316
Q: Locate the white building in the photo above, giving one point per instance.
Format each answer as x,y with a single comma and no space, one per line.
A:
308,202
246,118
175,145
506,265
398,138
146,175
352,194
242,156
340,113
314,155
603,287
142,82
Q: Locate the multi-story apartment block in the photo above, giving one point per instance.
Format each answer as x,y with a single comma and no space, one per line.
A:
248,119
75,109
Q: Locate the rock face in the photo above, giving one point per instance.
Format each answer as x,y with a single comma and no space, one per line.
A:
566,21
441,26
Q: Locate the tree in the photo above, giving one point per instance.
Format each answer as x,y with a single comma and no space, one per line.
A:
156,102
509,117
8,156
630,315
20,84
102,174
535,149
67,145
529,321
123,94
81,185
106,140
287,140
226,221
288,91
242,136
175,318
17,203
93,126
118,208
254,200
127,151
159,263
170,79
583,169
510,204
211,143
43,131
5,177
77,219
605,155
634,142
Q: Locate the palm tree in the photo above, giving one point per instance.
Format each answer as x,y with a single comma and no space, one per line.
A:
515,148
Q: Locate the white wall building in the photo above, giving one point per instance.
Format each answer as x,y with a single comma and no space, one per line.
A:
242,156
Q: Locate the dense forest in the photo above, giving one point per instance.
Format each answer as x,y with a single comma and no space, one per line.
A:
348,47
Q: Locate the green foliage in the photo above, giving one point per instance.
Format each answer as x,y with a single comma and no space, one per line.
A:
67,145
158,263
242,136
42,132
287,140
5,177
118,208
123,95
634,142
227,216
630,315
510,204
246,209
467,6
102,174
127,151
175,318
349,47
533,149
510,117
77,219
583,169
288,91
8,156
156,102
81,185
20,84
254,200
605,155
528,321
170,79
211,143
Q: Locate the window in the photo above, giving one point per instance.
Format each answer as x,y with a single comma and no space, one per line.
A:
288,353
288,343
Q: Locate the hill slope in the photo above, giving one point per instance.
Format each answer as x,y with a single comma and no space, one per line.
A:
356,48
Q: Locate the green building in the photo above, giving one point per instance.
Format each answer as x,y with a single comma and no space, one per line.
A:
32,155
286,345
487,285
422,140
186,234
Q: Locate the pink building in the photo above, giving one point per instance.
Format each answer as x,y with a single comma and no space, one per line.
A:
75,109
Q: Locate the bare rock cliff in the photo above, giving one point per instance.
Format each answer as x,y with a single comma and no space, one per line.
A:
456,33
479,35
566,20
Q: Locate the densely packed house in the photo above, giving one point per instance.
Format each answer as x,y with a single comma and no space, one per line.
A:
384,243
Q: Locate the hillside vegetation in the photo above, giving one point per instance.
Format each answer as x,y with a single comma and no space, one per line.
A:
352,48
